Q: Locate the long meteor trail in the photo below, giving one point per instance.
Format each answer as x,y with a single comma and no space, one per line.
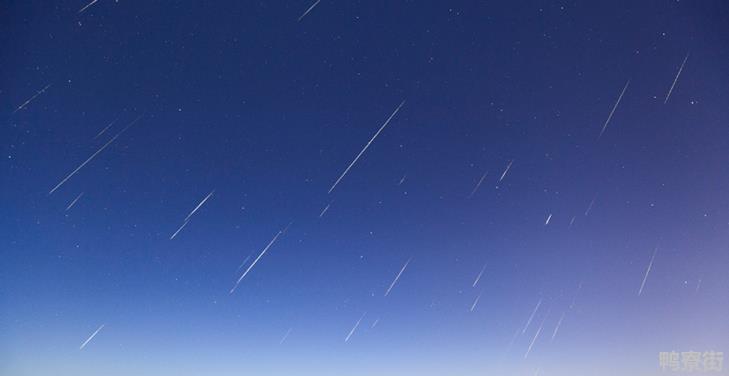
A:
480,181
285,336
506,171
27,102
255,261
199,205
105,128
187,219
87,5
397,277
172,237
559,323
475,302
676,79
326,208
74,201
93,155
91,337
309,10
478,278
613,110
645,277
534,340
366,146
531,317
355,327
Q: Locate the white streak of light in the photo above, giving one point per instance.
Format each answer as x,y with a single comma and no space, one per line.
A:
473,306
645,277
503,175
397,277
366,146
22,106
532,316
87,5
533,340
478,278
199,205
613,110
676,79
179,229
105,128
478,184
93,155
74,201
355,327
91,337
559,323
309,10
285,336
326,208
255,261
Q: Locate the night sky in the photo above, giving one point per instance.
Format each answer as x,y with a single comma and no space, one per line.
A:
549,196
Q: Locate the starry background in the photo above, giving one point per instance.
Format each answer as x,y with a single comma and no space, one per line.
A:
241,98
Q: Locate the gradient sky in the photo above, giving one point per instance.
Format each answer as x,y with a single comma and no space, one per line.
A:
242,99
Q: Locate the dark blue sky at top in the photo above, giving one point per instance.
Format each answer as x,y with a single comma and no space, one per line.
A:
241,98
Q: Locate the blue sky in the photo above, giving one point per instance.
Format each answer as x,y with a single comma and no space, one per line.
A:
243,100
